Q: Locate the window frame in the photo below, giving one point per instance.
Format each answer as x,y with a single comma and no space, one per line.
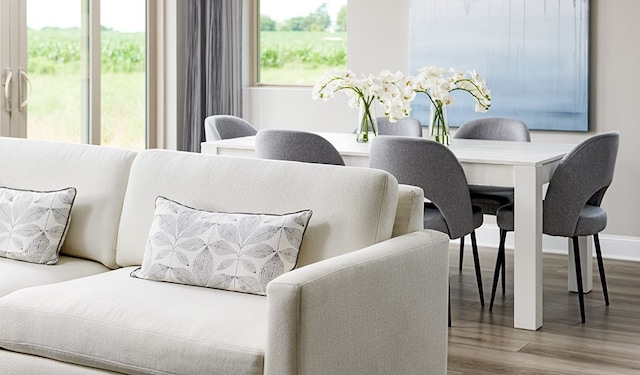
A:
255,51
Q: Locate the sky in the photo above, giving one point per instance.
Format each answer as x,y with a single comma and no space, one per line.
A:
281,10
121,15
129,15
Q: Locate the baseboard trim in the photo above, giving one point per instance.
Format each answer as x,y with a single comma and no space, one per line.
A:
613,247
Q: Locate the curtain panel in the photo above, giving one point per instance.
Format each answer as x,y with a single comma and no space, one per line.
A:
214,65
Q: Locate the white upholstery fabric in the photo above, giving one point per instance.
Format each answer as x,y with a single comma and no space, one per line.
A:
15,363
120,323
15,274
98,173
350,314
352,207
380,310
410,211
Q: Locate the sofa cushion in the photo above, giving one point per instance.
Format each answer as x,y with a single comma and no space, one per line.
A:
18,363
33,224
352,207
99,175
231,251
124,324
16,275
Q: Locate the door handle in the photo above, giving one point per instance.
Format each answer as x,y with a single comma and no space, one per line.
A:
7,89
25,89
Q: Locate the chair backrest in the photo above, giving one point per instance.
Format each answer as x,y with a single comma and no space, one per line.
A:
408,126
434,168
295,145
494,129
581,178
219,127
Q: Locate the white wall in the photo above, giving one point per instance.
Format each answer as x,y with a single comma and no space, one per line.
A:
378,32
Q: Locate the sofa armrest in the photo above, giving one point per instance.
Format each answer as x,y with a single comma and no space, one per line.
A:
379,310
410,210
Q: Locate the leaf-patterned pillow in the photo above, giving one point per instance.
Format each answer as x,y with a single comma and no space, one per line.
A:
231,251
33,224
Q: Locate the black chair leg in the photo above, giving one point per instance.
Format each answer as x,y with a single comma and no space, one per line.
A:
603,279
576,256
461,253
449,303
500,261
504,262
476,261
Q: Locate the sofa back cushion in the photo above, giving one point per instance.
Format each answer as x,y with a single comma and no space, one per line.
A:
99,175
352,207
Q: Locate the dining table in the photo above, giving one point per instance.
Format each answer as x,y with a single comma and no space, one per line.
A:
525,166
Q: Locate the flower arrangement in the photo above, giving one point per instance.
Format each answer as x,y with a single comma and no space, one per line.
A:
391,90
437,84
395,91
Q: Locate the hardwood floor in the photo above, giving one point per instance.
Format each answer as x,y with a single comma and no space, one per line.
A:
484,342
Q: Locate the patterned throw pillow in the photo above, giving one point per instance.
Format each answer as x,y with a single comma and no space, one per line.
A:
33,224
231,251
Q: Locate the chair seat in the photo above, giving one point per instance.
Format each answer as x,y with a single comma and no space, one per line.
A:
504,217
592,220
490,198
433,218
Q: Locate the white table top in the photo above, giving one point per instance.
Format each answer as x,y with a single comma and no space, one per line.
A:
466,150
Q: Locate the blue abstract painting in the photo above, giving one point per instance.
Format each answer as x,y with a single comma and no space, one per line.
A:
534,56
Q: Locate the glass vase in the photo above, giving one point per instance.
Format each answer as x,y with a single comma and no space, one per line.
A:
438,124
367,124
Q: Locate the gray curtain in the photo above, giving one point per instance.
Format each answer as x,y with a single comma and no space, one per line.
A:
214,66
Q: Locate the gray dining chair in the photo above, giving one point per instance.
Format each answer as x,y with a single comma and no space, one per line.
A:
495,129
296,145
219,127
489,198
408,126
571,207
433,167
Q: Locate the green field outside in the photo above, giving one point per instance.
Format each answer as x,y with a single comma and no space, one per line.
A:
54,55
55,108
300,57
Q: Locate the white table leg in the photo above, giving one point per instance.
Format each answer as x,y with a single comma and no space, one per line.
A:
586,265
528,248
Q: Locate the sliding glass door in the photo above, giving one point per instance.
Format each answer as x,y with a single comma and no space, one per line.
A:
74,70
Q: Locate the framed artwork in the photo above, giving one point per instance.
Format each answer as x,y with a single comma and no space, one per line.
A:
534,56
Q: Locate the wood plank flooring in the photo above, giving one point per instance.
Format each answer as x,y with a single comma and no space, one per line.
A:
484,342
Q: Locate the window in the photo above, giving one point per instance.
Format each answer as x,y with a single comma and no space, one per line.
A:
298,41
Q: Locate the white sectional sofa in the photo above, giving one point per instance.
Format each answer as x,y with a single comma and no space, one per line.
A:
368,294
